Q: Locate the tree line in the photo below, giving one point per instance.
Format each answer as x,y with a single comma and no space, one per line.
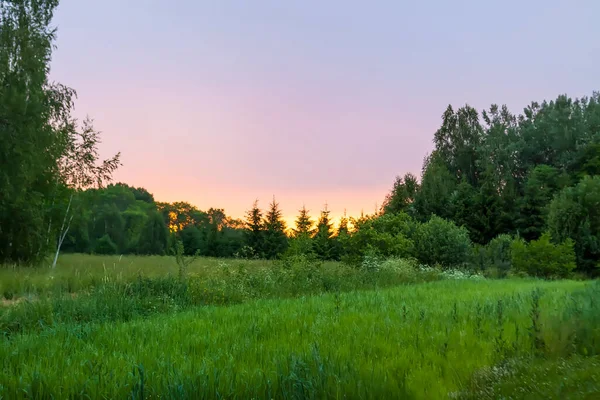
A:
121,219
492,178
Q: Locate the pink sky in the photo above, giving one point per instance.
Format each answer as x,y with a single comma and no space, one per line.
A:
221,103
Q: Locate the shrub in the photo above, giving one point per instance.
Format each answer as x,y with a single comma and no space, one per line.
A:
494,259
457,274
403,269
498,252
247,253
371,261
395,270
105,245
192,239
383,237
303,261
395,224
300,245
439,241
543,258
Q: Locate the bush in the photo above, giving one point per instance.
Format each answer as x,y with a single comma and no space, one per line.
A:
457,274
498,252
303,261
395,224
246,253
383,237
105,245
494,259
395,270
371,261
404,270
542,258
300,245
439,241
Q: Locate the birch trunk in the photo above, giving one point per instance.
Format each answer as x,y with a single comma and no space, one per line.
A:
63,231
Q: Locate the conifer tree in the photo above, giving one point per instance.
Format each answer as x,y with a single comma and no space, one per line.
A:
304,224
323,241
341,237
301,238
276,241
255,232
343,226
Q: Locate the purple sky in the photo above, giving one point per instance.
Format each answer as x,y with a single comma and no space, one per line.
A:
222,102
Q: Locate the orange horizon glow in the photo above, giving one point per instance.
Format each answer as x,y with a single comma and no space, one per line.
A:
339,203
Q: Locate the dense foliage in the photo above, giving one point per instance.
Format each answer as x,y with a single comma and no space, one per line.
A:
575,214
441,242
47,159
543,258
33,123
496,173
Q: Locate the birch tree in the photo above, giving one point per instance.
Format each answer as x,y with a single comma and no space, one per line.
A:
81,168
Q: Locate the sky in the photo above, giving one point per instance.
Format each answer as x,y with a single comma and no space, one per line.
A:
219,103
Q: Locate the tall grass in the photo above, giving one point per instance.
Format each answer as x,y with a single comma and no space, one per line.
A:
120,295
79,272
426,341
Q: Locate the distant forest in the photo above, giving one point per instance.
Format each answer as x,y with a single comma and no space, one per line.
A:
492,172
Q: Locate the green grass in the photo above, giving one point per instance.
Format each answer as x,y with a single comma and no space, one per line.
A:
89,293
224,281
425,341
77,272
575,378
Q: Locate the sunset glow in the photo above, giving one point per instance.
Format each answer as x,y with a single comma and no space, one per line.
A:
215,109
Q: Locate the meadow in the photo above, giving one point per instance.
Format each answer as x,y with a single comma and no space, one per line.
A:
220,280
135,327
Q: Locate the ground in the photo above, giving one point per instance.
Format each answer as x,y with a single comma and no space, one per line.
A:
133,327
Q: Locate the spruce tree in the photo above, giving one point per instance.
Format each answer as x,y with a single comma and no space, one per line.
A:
301,239
255,232
276,241
304,224
341,238
343,226
323,241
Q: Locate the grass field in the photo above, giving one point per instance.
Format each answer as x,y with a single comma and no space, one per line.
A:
367,334
77,272
213,281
